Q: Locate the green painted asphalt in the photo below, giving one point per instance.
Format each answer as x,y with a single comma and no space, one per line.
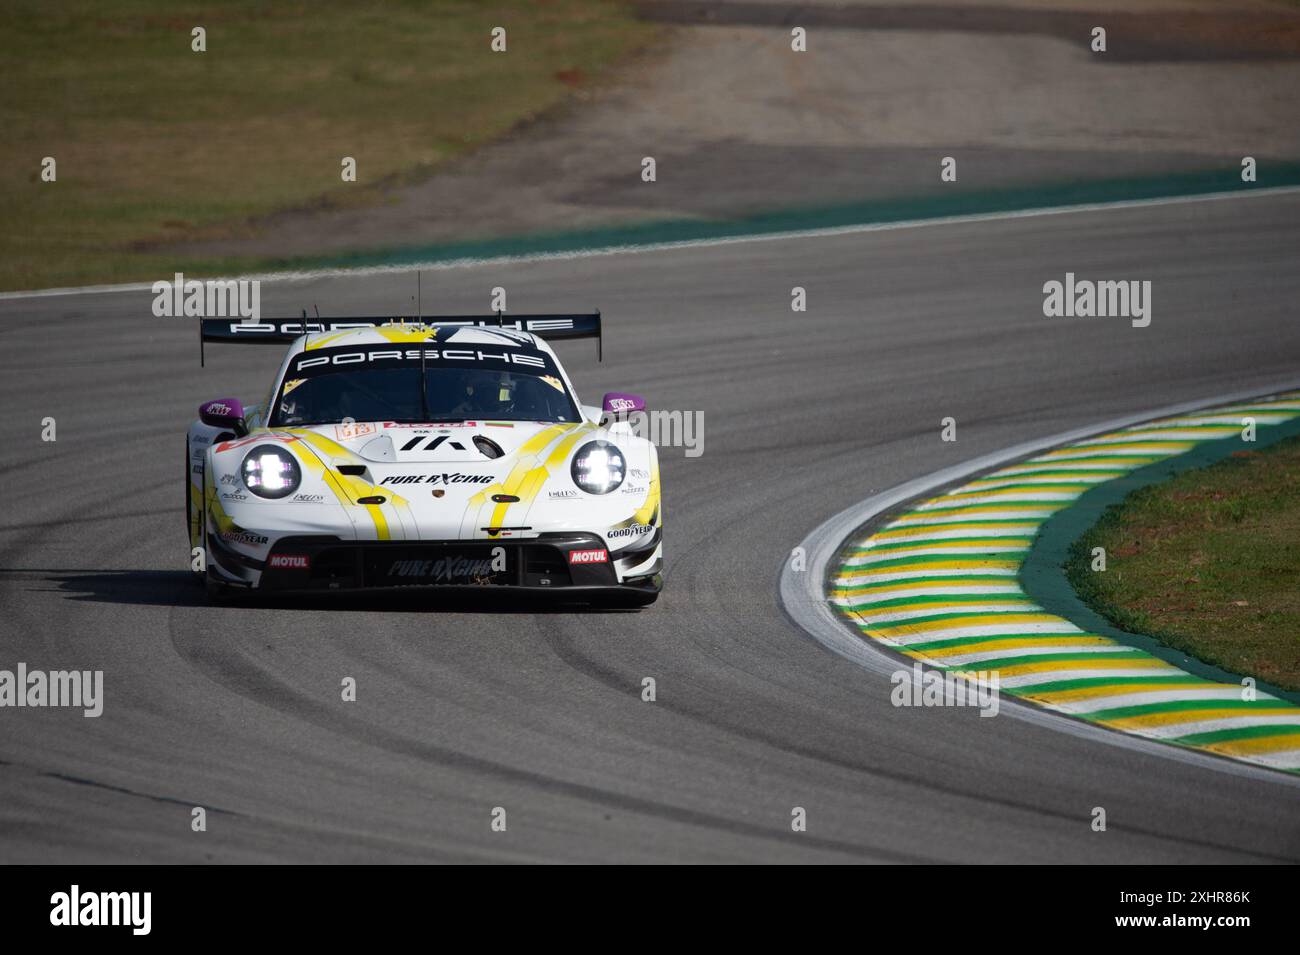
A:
840,215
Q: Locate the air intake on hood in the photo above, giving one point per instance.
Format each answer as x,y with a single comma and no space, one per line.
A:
489,447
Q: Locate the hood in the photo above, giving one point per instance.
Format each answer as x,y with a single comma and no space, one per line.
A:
459,442
454,479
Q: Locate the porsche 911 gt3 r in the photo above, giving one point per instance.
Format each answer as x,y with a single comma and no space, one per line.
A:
448,453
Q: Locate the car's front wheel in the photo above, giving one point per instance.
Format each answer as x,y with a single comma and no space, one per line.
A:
189,519
218,593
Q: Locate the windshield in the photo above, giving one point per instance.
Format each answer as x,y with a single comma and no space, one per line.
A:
380,383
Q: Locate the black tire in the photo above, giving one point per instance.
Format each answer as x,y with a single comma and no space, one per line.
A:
186,472
218,593
189,504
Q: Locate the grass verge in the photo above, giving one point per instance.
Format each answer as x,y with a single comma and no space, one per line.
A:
1207,563
155,142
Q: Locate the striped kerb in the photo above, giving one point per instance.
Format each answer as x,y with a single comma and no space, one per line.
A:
940,584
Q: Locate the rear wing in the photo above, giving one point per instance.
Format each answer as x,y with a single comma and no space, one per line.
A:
282,331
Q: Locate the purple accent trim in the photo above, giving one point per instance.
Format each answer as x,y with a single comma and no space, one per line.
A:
616,402
222,412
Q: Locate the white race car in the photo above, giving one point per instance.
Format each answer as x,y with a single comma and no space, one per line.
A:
443,453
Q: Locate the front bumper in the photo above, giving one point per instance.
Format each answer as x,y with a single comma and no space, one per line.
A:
568,562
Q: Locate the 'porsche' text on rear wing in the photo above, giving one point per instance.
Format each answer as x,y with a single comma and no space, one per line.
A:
282,331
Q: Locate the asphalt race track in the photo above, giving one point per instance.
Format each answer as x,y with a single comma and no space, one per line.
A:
238,709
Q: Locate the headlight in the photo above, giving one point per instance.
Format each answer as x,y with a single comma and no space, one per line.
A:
598,467
269,471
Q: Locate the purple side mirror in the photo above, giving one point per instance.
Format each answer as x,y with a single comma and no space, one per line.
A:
618,403
224,413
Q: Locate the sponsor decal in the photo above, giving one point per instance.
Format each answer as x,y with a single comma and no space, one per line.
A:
346,432
600,556
290,561
234,496
243,537
636,530
641,473
432,426
451,569
326,359
454,477
308,498
635,488
503,330
229,479
295,328
622,404
568,495
553,382
433,444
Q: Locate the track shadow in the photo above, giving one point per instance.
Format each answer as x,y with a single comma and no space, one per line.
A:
159,588
178,588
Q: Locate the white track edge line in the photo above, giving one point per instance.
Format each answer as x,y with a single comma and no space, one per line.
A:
635,248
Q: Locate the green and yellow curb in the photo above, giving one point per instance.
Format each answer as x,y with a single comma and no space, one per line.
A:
943,583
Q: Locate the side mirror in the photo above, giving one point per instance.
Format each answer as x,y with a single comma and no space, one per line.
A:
224,413
617,403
